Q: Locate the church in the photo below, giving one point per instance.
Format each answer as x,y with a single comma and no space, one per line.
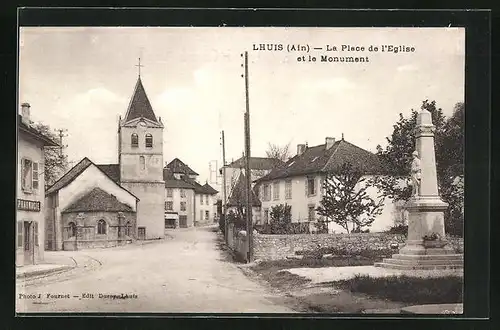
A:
102,205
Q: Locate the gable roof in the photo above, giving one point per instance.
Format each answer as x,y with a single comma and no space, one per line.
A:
238,194
74,172
257,163
111,170
98,200
209,189
177,166
318,159
139,106
172,182
34,133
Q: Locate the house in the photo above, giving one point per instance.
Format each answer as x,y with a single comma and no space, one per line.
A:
187,202
238,199
259,166
88,205
133,188
30,227
299,182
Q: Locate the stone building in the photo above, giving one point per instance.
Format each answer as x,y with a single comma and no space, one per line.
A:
136,182
30,242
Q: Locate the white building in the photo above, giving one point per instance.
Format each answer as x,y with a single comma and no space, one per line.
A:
30,224
299,183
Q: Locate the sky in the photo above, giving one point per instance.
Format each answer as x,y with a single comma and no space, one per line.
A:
82,79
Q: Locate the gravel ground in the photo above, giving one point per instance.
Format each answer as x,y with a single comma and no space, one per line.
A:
186,273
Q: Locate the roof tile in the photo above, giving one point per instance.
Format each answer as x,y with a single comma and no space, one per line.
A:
98,200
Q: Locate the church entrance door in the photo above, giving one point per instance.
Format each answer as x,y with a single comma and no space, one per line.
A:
183,221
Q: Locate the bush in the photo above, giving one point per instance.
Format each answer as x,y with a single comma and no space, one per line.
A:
414,290
399,230
281,218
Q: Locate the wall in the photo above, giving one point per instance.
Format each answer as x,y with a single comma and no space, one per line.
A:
32,149
274,247
87,230
151,207
300,203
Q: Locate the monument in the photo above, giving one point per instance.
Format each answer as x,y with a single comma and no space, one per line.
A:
426,245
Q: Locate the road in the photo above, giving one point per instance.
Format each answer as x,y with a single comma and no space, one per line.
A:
186,273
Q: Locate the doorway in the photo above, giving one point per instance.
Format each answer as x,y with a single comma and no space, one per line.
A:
183,221
28,243
141,232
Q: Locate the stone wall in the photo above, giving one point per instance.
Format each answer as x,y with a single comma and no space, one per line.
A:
275,247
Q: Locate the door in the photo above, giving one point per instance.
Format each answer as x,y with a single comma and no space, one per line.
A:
183,221
28,243
141,232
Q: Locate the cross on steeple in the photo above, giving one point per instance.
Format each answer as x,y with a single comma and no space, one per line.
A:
139,66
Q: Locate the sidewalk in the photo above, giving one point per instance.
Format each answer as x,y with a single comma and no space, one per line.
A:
29,271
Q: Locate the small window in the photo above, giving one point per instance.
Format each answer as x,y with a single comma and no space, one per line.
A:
311,186
201,215
134,140
266,192
101,227
183,193
142,161
149,141
206,199
19,234
169,205
35,177
288,189
127,228
206,215
183,206
276,191
71,229
312,213
170,192
27,174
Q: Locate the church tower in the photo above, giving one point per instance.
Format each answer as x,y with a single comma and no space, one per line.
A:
140,154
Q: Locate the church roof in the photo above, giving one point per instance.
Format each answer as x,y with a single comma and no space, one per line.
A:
139,106
98,200
177,166
78,169
111,170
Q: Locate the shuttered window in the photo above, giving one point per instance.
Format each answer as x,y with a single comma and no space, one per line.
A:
19,234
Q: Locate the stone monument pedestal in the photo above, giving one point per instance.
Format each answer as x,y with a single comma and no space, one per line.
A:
425,218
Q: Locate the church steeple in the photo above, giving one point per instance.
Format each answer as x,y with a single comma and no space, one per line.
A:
139,104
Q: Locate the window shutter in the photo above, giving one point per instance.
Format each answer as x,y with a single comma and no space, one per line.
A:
23,176
35,228
20,234
35,176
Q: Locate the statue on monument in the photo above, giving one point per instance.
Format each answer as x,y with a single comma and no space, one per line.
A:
416,172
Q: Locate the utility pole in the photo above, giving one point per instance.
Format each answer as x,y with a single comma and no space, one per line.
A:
247,167
224,199
61,135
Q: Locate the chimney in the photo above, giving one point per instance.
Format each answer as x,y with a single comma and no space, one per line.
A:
300,149
25,113
329,142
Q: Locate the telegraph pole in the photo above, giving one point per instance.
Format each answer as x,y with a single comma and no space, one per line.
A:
224,200
247,167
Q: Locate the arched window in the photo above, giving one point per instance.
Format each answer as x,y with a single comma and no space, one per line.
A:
149,141
71,229
101,227
142,162
134,140
127,229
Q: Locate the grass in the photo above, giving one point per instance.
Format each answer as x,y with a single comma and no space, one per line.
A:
406,289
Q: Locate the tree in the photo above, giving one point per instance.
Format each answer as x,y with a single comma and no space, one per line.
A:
281,218
449,148
281,153
55,163
346,201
